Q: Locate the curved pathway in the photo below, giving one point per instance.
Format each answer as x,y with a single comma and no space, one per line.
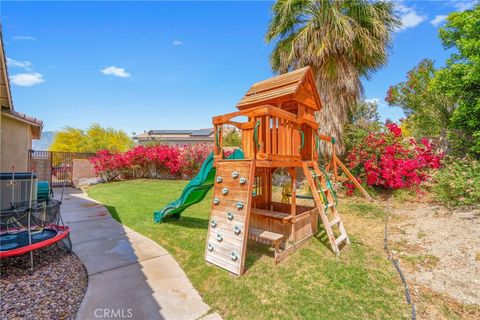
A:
129,275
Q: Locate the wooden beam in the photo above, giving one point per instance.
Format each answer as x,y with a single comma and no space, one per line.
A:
353,179
293,199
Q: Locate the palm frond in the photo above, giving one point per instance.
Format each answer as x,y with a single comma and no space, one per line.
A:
342,40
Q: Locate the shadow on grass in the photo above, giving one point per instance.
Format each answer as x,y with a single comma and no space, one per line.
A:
255,251
322,237
188,222
113,211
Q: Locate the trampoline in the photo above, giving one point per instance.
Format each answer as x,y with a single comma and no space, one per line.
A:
28,226
13,244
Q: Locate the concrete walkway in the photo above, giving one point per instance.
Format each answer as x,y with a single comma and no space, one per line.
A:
129,275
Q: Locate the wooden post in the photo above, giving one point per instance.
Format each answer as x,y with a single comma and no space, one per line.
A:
334,158
274,136
293,199
268,148
267,180
353,179
218,142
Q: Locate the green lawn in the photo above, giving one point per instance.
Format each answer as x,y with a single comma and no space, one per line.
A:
310,284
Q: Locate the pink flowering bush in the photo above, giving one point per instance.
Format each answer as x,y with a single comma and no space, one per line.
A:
151,162
192,157
390,161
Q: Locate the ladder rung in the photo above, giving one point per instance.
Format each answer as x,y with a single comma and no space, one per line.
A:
330,205
334,221
323,190
340,239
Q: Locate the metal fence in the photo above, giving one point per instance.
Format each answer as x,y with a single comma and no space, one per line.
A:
56,166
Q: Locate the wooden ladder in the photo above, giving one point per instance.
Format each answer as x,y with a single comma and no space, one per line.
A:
325,199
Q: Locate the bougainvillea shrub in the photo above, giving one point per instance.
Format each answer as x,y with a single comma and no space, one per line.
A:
106,165
151,162
390,161
192,157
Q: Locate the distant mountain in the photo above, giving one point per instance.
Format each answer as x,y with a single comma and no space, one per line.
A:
44,143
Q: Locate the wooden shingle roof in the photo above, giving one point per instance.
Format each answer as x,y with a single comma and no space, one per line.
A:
298,85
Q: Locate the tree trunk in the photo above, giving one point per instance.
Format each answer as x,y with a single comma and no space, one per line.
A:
331,120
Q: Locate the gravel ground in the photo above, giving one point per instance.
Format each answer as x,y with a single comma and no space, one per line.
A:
53,291
444,247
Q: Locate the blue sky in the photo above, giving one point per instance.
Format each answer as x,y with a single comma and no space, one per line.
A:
163,65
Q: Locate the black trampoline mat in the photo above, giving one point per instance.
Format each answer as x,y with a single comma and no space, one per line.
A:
11,241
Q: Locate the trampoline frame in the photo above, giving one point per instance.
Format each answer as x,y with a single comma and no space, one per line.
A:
63,232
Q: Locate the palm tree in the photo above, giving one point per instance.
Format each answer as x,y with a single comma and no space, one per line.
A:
341,40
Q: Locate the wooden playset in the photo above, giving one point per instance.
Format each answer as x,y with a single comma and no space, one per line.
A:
276,118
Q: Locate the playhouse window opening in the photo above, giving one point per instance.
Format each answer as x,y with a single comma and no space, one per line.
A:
231,136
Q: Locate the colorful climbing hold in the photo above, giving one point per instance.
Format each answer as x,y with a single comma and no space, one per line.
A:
229,216
225,191
216,200
239,205
213,223
236,230
219,179
210,247
235,174
243,180
234,256
219,237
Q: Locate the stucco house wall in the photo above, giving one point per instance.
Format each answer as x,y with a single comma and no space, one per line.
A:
16,142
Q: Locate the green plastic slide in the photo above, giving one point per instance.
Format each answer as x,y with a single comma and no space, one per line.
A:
195,190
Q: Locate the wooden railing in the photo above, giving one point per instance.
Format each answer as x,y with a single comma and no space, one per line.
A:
269,133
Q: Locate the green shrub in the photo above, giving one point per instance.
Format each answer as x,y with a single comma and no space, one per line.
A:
458,183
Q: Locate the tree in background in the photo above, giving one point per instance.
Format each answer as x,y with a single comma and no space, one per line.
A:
460,79
363,118
428,109
93,139
232,138
69,139
341,40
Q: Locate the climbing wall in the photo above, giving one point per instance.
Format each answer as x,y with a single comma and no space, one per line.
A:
228,225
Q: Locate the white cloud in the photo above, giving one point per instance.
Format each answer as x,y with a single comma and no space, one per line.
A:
27,38
27,65
409,17
27,79
373,100
177,43
115,71
411,20
463,5
438,20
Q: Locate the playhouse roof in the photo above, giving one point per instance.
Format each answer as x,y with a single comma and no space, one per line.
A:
298,85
